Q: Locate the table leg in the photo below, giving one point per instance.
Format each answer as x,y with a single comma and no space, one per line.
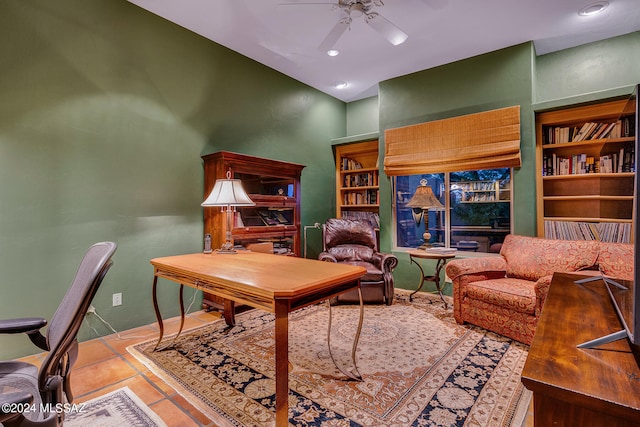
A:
421,278
436,279
282,362
181,310
229,312
157,310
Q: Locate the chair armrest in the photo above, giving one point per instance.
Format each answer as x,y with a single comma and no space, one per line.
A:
28,325
326,256
476,266
385,262
22,326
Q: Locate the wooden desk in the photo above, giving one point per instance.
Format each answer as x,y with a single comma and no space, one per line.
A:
277,284
581,387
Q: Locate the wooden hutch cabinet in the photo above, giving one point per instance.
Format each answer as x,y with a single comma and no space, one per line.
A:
274,186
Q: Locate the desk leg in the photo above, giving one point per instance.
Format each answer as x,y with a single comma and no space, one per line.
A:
157,310
229,312
421,279
282,362
181,310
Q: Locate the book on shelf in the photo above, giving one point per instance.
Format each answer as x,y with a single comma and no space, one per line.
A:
369,179
617,232
350,164
589,131
622,160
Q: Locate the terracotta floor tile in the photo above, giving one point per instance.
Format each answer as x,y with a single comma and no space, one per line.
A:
162,385
187,406
94,351
148,393
172,414
98,375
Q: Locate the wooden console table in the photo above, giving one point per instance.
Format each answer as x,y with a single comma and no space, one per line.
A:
277,284
581,387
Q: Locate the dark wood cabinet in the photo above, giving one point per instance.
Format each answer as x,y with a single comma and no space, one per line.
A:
577,387
274,221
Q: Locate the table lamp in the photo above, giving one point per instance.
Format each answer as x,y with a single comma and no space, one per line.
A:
228,194
423,200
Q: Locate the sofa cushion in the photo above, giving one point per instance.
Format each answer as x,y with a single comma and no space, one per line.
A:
515,294
616,260
531,258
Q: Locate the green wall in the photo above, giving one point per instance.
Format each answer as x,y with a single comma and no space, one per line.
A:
104,114
362,116
591,72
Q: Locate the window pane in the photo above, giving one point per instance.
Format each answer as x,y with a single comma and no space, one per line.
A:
480,209
479,215
412,223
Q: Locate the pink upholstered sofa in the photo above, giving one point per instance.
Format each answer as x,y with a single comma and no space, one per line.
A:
505,293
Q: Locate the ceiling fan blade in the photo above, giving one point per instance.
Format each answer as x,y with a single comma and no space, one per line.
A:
300,4
334,35
393,34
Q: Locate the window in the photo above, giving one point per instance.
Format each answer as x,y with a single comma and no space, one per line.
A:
475,211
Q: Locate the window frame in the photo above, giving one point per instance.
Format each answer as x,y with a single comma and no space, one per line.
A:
447,210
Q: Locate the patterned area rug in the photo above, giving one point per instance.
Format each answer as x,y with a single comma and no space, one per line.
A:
116,409
419,369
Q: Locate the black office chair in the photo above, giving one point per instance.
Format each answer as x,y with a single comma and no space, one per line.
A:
21,382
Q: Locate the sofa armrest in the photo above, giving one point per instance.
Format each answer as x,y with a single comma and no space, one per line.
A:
542,289
476,266
469,270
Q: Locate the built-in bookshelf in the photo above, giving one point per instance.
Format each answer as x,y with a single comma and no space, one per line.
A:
586,169
357,174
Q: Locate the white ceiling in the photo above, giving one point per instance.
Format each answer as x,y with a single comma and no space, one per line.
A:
286,37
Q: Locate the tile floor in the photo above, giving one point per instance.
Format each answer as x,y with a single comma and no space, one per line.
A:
105,365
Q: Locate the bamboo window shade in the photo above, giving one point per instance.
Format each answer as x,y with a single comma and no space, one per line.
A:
486,140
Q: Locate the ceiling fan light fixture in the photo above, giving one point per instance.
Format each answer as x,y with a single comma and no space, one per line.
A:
333,52
356,10
593,8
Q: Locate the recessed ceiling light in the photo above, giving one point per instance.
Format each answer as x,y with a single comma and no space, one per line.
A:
333,52
593,8
340,85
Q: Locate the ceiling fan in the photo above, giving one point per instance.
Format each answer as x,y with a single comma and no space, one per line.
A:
350,9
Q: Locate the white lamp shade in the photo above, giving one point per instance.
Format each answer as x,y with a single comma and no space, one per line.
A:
228,192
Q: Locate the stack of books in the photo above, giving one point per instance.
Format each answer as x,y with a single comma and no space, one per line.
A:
440,250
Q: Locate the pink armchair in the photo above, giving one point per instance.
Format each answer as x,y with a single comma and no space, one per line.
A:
505,294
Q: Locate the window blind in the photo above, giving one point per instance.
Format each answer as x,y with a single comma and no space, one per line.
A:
485,140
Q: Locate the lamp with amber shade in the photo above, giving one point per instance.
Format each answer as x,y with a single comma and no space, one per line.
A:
423,200
228,194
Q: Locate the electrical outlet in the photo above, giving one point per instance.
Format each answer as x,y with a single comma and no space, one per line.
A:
117,299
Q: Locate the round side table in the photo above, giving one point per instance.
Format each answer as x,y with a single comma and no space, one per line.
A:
441,260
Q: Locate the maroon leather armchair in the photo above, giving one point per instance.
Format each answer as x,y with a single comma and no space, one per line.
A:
355,242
